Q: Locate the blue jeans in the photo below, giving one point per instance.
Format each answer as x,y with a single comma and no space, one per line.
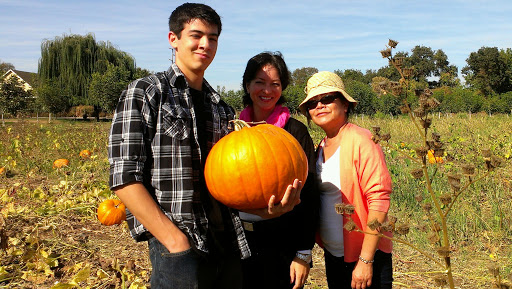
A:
173,270
189,270
339,272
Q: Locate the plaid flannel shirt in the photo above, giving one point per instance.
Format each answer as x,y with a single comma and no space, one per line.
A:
154,140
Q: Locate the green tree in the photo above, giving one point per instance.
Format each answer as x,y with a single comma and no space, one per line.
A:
294,95
427,63
447,73
105,89
232,97
13,97
364,95
300,76
430,63
506,55
388,72
459,99
369,75
140,73
506,102
422,58
351,74
487,71
449,79
51,97
442,65
71,60
5,66
498,103
388,104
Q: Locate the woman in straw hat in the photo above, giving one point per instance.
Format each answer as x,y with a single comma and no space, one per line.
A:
281,246
351,170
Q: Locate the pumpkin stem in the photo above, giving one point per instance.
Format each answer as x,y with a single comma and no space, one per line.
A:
238,124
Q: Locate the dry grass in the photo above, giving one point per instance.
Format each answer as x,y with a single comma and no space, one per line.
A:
50,232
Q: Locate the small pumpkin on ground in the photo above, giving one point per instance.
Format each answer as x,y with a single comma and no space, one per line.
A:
249,165
59,163
111,212
85,154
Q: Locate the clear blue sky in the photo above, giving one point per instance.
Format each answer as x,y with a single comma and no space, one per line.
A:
326,34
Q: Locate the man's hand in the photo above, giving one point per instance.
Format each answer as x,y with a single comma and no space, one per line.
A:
176,243
145,209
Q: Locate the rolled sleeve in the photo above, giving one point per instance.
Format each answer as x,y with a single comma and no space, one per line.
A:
126,149
125,172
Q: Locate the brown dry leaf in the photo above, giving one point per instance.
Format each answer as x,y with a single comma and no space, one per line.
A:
34,277
82,275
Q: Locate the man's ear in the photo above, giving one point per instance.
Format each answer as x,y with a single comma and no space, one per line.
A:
173,38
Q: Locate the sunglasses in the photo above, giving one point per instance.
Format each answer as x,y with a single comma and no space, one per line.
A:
324,100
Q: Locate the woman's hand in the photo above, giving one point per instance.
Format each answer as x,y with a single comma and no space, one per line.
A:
290,199
362,275
299,271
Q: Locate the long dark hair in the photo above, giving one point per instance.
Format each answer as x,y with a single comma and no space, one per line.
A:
256,63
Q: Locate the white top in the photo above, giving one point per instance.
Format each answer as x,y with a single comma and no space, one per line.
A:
331,223
249,217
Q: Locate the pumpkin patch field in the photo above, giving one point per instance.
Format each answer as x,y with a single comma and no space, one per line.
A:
55,176
54,233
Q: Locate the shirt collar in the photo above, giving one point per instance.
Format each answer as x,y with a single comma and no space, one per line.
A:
175,73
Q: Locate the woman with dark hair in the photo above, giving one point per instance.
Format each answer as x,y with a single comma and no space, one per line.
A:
280,246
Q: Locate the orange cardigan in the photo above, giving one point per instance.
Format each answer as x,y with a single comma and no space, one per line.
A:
365,183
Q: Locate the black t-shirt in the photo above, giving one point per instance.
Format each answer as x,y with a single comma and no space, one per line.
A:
221,231
198,99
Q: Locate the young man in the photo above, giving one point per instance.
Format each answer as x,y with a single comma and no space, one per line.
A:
162,131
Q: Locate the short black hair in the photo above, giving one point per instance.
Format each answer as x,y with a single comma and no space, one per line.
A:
259,61
187,12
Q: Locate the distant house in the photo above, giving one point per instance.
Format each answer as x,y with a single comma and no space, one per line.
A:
27,78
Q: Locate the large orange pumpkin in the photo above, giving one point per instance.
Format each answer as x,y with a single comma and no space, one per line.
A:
59,163
111,211
249,165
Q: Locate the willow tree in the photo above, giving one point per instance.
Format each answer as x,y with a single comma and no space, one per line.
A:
70,60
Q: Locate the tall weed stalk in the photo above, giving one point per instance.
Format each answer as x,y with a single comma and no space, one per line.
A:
428,158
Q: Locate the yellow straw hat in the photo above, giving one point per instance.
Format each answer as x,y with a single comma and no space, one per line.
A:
321,83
